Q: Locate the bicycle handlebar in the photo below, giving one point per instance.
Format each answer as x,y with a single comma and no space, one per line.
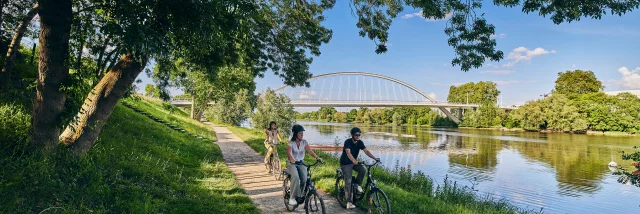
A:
364,163
308,166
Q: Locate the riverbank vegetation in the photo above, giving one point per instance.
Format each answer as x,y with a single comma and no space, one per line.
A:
408,191
577,105
137,166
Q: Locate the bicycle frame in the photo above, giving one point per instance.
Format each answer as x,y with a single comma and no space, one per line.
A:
309,185
370,181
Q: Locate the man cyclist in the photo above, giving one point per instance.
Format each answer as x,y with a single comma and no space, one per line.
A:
349,163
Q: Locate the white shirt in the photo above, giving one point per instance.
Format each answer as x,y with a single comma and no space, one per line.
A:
297,152
272,137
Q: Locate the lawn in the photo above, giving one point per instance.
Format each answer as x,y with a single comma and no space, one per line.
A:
137,166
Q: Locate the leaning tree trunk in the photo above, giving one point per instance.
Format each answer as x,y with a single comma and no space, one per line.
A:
15,44
82,134
55,27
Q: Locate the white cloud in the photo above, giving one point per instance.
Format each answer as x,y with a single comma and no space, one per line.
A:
419,14
304,94
522,54
573,66
503,83
433,96
630,78
498,36
498,72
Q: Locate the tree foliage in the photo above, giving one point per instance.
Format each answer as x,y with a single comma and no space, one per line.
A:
381,116
478,93
577,82
231,111
274,107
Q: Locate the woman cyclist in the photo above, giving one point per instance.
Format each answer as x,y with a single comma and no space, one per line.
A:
271,143
295,154
349,163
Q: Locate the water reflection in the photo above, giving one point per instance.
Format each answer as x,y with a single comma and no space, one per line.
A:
560,172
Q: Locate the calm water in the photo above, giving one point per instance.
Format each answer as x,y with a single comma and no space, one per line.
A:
562,173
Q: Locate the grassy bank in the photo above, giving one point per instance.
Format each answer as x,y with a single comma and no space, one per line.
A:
171,114
137,166
408,192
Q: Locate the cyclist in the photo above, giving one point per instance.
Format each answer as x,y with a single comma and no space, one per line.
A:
270,142
295,154
349,163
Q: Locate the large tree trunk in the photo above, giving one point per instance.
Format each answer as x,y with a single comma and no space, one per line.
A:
55,27
82,134
15,44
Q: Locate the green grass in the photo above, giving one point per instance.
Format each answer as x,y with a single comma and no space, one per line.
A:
408,192
137,166
171,114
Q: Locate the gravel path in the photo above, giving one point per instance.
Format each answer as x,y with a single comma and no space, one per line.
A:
263,189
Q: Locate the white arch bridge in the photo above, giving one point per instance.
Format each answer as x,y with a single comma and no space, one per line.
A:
361,89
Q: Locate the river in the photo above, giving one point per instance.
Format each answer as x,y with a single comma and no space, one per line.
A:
561,173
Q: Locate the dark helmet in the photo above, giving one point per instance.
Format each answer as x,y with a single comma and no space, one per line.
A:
297,128
354,130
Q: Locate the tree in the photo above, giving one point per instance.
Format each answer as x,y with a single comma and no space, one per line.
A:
274,107
481,92
15,42
577,82
339,117
352,115
275,35
231,111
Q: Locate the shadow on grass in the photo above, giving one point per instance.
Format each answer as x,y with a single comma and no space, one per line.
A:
137,166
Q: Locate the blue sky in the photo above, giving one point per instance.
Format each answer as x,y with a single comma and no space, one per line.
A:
535,51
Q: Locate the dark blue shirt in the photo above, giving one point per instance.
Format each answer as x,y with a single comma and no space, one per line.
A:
355,150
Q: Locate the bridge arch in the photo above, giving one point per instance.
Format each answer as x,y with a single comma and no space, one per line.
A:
366,74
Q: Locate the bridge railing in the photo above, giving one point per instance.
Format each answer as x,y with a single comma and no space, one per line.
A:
180,99
379,101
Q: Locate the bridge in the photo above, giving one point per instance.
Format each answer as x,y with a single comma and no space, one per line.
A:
361,89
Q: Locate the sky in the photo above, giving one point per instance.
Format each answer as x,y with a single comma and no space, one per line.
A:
535,51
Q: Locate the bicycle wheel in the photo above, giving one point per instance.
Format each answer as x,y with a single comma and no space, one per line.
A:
340,193
314,203
277,167
286,194
378,202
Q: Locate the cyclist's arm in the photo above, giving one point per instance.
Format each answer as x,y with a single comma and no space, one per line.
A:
278,134
366,151
313,154
291,160
353,160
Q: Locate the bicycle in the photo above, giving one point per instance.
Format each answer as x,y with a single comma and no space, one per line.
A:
274,164
310,195
374,194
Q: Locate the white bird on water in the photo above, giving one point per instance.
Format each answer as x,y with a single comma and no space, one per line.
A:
613,164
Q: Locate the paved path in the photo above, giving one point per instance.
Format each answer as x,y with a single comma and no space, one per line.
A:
263,189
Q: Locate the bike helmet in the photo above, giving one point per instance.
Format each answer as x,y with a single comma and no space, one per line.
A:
297,128
354,130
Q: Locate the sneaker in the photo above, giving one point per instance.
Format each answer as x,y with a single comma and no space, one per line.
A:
350,205
359,188
293,202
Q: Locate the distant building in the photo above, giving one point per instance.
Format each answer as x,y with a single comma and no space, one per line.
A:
634,92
